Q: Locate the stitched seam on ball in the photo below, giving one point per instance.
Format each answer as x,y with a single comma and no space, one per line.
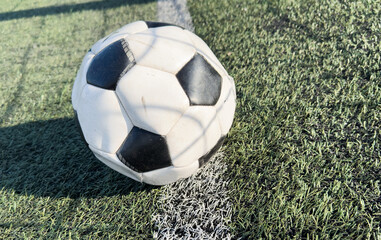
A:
119,155
130,57
124,161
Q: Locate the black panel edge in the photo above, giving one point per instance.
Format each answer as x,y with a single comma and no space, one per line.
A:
124,161
204,159
130,56
151,24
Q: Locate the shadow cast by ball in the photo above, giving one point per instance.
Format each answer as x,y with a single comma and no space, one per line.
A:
49,158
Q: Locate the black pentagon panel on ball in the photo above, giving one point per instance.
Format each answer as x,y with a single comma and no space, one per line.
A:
110,64
144,151
204,159
160,24
200,81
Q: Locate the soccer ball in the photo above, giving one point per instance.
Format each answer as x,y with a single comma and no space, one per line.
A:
153,102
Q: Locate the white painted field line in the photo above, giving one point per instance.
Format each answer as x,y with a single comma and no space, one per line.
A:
176,12
197,207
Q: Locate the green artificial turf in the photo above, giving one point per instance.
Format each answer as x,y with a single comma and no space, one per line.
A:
51,186
304,151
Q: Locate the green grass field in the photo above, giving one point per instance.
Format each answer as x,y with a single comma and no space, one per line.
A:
51,185
304,151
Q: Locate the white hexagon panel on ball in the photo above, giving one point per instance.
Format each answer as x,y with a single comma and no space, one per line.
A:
153,99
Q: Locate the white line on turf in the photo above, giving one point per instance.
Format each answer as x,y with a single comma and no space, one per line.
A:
176,12
197,207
